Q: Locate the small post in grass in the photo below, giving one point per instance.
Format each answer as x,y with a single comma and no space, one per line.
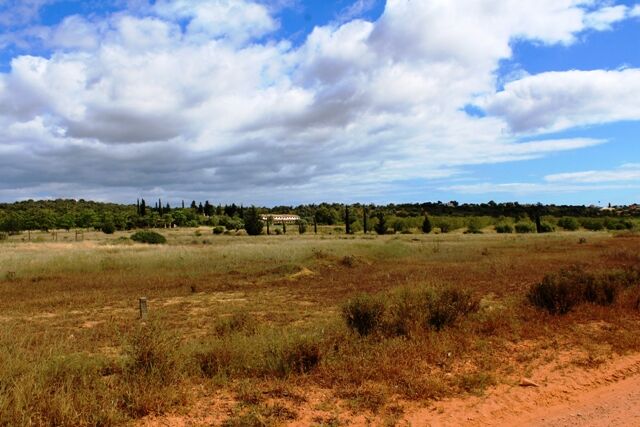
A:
143,308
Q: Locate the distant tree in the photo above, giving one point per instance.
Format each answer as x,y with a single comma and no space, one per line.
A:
194,205
302,226
143,208
253,222
426,225
269,223
200,209
347,220
208,208
365,225
381,226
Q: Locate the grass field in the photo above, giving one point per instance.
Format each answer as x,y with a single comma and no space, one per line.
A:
255,325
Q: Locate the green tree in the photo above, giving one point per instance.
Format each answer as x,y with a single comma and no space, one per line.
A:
381,226
426,225
253,222
302,226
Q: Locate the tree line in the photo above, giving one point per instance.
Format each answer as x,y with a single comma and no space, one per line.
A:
70,214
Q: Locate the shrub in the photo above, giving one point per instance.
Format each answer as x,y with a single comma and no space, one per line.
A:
147,236
363,313
406,309
474,226
504,228
4,236
237,322
108,228
569,223
297,355
218,230
547,227
592,224
302,226
525,227
558,293
449,304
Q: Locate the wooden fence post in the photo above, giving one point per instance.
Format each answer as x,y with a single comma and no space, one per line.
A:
143,308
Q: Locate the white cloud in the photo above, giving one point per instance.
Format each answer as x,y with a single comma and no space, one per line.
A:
603,18
635,11
626,172
560,100
194,97
235,20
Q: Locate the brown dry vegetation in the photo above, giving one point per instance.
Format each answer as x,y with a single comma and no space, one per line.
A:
249,330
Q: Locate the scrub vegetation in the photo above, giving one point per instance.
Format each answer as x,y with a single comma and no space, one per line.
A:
263,325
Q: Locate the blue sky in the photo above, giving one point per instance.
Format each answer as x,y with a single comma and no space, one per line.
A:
293,101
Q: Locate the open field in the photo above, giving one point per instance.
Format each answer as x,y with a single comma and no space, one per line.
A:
250,331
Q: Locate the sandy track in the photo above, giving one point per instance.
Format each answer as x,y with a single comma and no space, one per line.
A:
608,396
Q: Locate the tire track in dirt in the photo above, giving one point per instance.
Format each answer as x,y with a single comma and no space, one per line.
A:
569,396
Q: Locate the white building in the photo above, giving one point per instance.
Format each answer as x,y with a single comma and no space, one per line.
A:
280,218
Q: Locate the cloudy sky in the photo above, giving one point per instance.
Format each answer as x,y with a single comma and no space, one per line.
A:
294,101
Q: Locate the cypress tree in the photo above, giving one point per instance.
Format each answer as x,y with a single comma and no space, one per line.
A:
252,222
381,226
143,208
364,220
347,220
426,224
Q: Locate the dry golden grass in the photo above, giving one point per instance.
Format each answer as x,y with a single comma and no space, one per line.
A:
258,319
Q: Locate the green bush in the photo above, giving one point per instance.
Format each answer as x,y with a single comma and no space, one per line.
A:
147,236
592,224
569,223
524,227
504,228
363,313
547,227
108,228
218,230
474,226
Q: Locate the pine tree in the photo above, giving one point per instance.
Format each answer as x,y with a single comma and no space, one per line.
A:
194,205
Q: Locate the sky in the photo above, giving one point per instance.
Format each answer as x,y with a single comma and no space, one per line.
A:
272,102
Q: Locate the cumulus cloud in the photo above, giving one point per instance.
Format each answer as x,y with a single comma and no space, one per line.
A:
198,97
560,100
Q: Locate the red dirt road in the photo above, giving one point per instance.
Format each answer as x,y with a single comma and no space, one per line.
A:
607,396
